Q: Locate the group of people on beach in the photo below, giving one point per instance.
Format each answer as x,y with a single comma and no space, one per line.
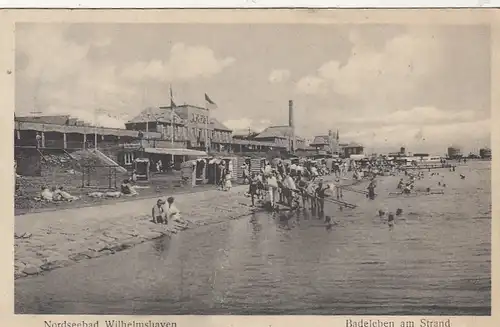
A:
292,185
224,182
55,194
164,211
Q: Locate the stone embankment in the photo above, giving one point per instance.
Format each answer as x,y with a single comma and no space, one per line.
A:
49,240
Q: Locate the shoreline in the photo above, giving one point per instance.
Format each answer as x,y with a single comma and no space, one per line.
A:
60,238
56,239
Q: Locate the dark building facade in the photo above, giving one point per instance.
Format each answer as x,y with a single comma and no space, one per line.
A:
454,152
351,149
185,126
485,153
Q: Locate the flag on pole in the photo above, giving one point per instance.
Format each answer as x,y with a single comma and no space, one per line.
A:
210,103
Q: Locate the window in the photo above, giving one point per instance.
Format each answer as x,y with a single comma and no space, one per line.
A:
128,158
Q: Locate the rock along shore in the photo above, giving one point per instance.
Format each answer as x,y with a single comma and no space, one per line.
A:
48,240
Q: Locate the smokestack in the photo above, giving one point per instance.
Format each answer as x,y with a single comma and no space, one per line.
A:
290,124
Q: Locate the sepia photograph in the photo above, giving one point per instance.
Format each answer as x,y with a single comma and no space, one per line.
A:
252,169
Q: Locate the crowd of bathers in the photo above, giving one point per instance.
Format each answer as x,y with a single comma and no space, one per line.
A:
294,185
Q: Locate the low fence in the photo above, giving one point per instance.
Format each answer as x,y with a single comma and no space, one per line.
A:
100,176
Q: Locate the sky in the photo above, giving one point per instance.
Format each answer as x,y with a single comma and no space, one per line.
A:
384,86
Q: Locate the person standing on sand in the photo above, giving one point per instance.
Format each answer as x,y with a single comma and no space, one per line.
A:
38,140
158,212
253,188
301,186
311,191
246,177
272,183
320,196
371,190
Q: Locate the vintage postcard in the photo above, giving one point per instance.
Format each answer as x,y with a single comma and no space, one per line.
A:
177,163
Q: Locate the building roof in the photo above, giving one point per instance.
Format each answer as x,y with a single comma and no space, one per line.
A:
56,119
42,127
163,114
66,120
320,140
217,125
275,132
156,114
283,132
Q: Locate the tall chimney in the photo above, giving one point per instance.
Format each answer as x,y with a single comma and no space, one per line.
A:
290,124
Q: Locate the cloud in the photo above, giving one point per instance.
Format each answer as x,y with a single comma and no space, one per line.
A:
311,85
185,62
48,57
64,79
384,95
376,76
414,116
279,75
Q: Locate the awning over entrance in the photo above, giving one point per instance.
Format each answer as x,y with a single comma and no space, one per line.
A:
176,152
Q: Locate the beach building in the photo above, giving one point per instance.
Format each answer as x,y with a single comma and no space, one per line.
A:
485,153
326,144
244,141
54,138
398,154
184,126
353,148
454,152
282,138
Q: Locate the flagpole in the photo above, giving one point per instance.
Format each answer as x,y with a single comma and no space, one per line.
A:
172,120
206,125
171,116
95,128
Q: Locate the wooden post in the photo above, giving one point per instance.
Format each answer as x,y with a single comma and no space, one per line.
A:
193,176
84,141
65,141
43,140
204,172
